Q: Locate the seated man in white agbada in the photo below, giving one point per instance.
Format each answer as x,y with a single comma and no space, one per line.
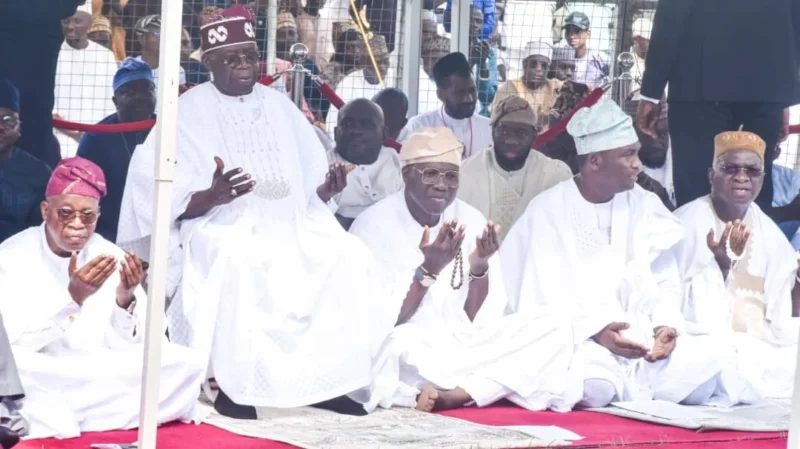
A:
375,172
453,343
77,334
741,272
597,247
274,294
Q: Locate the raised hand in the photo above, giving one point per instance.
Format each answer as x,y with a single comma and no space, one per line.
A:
665,341
443,250
131,273
87,280
611,339
739,237
227,186
737,233
486,245
335,181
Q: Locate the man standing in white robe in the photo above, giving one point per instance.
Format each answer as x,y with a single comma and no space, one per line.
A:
597,248
78,334
453,343
505,177
273,293
375,172
456,89
741,272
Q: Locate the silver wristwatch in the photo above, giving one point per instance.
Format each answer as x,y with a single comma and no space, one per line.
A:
424,280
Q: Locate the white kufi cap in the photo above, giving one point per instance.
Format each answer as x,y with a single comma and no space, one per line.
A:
538,48
601,127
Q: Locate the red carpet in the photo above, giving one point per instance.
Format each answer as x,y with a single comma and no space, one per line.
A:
598,429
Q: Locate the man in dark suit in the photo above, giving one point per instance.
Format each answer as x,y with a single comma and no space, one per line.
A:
31,36
727,63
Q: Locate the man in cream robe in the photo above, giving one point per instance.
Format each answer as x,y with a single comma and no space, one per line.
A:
596,248
78,335
376,168
741,272
453,343
505,177
456,89
273,293
533,86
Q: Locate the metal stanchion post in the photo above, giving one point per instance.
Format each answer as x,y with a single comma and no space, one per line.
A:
298,53
625,63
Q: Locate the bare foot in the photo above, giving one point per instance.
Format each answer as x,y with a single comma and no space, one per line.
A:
433,400
426,400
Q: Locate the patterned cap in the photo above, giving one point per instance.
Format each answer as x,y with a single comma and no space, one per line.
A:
563,54
435,44
601,127
739,140
286,20
432,145
77,176
148,24
100,24
513,109
378,44
226,32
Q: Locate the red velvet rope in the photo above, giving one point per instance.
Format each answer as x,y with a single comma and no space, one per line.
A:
335,100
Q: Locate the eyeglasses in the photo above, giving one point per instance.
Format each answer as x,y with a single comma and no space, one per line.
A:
9,121
431,176
67,216
232,60
732,170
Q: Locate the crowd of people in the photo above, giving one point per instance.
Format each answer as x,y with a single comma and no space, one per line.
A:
304,263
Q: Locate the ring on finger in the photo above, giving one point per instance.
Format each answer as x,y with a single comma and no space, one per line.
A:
234,192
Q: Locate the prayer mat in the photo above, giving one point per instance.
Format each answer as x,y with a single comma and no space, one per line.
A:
311,428
770,416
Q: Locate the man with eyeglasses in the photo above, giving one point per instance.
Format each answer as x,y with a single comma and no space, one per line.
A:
505,177
23,178
597,249
741,272
256,254
77,336
148,39
375,168
450,340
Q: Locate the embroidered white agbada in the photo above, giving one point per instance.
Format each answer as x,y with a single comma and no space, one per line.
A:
368,184
524,359
503,196
84,87
604,263
81,367
752,311
274,293
474,132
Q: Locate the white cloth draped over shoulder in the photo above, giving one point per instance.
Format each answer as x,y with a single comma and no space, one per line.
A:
495,356
752,311
81,367
274,293
561,254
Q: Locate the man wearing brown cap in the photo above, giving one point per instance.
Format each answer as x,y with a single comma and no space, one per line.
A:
257,254
451,342
78,335
741,273
505,177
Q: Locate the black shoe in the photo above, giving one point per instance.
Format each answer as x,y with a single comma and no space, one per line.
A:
226,407
8,438
343,405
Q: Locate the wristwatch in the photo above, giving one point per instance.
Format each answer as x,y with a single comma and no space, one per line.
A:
425,280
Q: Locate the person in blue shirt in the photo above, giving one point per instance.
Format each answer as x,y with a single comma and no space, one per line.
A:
23,178
135,99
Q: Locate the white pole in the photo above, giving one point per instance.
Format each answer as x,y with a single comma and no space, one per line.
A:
794,424
460,20
272,35
169,65
411,53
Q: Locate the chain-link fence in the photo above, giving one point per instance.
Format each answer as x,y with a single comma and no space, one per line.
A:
360,47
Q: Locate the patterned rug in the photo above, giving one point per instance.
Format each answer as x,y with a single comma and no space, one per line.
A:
386,429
